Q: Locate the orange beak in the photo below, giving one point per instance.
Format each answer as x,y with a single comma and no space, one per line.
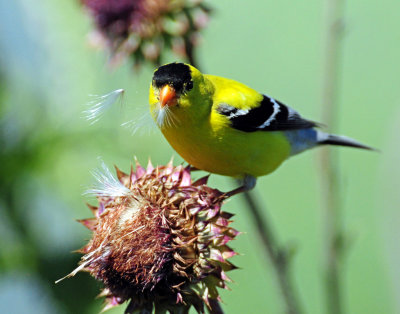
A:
167,96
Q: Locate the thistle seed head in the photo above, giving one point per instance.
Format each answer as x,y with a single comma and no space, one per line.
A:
162,245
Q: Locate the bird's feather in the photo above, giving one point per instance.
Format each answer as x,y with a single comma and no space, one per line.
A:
269,115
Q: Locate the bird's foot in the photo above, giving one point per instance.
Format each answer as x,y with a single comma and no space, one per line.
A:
193,168
248,183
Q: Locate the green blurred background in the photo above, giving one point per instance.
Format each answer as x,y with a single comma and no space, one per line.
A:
47,151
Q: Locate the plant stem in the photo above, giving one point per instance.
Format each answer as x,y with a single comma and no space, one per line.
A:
278,255
328,160
189,50
188,41
215,307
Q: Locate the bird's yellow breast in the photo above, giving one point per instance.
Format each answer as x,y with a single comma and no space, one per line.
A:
214,147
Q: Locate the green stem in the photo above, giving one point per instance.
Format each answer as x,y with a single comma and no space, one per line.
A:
277,254
328,160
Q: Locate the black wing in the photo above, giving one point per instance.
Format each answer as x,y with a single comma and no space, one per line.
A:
270,115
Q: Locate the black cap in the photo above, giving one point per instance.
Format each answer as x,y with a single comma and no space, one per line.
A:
175,74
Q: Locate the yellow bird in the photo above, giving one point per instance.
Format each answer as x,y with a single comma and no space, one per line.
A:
224,127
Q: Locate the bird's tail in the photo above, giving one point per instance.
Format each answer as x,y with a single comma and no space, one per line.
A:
332,139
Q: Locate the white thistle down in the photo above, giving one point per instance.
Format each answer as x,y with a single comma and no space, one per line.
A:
141,124
100,104
107,185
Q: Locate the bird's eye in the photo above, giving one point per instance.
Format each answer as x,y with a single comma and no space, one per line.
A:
187,87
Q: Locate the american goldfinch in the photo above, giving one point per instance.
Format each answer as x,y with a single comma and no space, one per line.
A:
224,127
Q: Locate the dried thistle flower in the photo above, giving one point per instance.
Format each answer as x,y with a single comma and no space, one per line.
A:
161,243
143,29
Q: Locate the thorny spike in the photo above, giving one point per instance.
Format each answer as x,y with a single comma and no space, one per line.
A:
93,209
201,181
170,163
132,177
217,256
179,298
81,251
110,303
228,253
120,175
186,178
175,175
104,293
225,277
100,210
150,167
140,171
227,215
89,223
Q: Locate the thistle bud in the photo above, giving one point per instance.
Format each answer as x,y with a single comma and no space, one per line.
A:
143,29
159,240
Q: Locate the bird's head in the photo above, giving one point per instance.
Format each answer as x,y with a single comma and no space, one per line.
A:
177,92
